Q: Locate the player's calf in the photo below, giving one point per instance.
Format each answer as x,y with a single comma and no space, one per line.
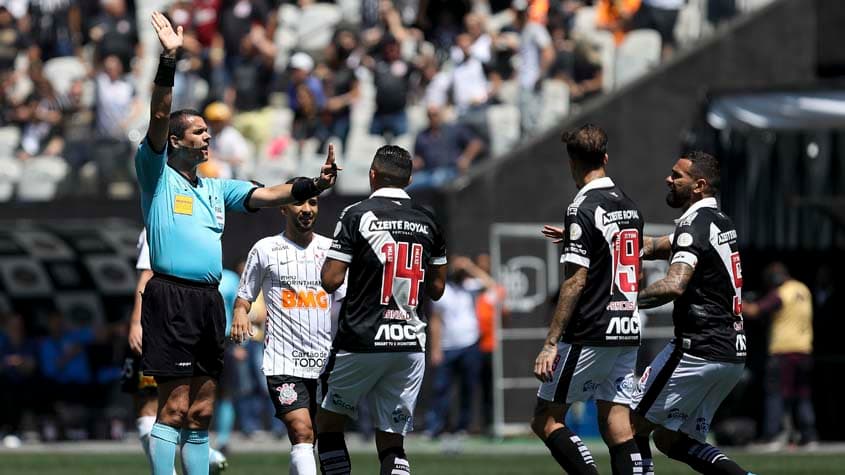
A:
701,457
566,447
394,462
618,433
334,458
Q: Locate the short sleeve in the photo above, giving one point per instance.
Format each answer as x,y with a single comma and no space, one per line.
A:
345,234
143,262
236,194
252,277
688,244
438,251
578,242
149,166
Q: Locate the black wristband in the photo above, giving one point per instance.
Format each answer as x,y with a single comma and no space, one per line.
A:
166,71
303,189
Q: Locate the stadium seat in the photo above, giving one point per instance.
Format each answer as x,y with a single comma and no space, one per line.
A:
10,137
362,148
584,24
509,92
555,102
61,72
355,180
636,55
503,121
10,173
350,11
689,27
40,178
604,41
316,26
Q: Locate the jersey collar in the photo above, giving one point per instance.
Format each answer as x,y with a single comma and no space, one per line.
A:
704,203
389,192
603,182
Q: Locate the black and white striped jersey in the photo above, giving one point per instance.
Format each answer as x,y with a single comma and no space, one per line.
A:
708,316
604,234
389,244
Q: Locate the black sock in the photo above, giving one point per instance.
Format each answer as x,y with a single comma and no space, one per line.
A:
394,462
334,458
704,458
571,453
625,459
644,446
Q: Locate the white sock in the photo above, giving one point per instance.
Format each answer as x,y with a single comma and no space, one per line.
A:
145,426
302,460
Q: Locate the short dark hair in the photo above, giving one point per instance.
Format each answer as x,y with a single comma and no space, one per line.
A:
393,166
586,144
704,166
179,122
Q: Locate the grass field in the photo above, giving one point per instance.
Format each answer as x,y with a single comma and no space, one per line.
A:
490,464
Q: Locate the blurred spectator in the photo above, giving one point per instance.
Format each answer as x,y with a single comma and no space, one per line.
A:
481,43
577,63
615,16
56,27
489,305
470,90
454,345
341,86
305,98
118,106
229,149
190,65
789,307
76,127
17,375
115,32
13,39
252,71
442,152
39,117
660,15
535,55
392,81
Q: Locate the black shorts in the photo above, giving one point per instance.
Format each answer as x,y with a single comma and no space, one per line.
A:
184,327
133,381
289,393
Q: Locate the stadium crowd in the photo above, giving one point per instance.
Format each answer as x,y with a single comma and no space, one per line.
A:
277,80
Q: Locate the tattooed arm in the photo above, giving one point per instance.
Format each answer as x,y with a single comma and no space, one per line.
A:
668,288
656,247
570,292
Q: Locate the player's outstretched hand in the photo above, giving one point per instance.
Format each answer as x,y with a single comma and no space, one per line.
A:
170,40
554,233
328,172
241,328
135,338
544,364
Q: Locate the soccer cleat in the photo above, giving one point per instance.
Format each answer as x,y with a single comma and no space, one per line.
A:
216,461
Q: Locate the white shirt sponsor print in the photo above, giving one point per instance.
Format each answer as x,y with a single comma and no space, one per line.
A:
299,328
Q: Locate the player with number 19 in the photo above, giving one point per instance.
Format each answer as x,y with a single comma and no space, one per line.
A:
591,347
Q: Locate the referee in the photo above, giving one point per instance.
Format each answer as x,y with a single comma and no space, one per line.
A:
183,317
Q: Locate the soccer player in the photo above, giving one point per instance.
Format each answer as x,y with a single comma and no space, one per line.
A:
299,325
394,250
183,317
143,388
591,347
684,385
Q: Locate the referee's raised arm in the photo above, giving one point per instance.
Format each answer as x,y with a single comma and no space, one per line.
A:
162,95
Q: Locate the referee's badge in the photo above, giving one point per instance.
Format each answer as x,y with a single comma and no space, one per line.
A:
183,204
287,394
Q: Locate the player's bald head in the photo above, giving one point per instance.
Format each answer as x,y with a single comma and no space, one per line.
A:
392,166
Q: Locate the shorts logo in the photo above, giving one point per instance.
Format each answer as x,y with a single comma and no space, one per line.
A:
184,364
644,378
676,413
701,425
625,384
400,416
556,361
287,394
337,400
590,386
305,299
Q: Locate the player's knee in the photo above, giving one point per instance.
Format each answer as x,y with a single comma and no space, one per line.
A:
616,429
199,415
300,432
173,414
545,419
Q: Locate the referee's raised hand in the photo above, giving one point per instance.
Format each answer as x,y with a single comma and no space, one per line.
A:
170,40
328,172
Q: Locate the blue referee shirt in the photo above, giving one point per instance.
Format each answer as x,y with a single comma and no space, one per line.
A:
185,220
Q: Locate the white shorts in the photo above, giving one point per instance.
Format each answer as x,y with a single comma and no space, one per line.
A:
681,392
390,380
605,373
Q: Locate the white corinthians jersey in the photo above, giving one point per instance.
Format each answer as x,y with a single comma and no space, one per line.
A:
299,325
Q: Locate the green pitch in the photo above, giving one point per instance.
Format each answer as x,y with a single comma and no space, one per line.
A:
491,464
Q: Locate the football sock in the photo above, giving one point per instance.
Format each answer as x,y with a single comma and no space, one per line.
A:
224,418
394,462
571,453
334,458
163,440
194,444
145,425
625,459
302,460
644,446
704,458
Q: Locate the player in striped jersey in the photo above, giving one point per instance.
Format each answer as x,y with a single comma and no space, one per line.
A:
286,267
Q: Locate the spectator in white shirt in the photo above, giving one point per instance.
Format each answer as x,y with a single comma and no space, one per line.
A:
535,56
229,149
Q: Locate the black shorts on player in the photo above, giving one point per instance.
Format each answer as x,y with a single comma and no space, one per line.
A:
133,381
289,393
184,328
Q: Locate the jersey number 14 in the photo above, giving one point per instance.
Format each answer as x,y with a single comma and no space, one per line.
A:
398,266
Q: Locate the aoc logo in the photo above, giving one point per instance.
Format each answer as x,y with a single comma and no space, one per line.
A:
305,299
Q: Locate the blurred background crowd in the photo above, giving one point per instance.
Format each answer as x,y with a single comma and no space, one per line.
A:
456,82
